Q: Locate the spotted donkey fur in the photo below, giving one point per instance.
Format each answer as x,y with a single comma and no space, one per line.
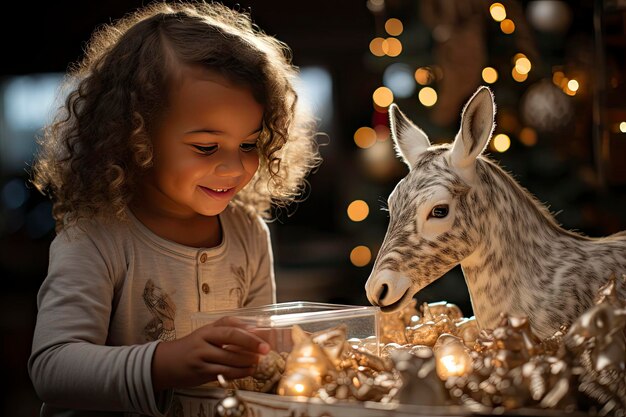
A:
456,206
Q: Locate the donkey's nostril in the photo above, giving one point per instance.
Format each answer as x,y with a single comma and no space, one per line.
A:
383,292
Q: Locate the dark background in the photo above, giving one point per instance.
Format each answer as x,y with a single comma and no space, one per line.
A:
576,166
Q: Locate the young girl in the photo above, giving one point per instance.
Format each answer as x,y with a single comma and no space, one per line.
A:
180,131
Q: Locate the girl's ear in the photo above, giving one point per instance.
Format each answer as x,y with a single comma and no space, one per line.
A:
409,140
477,124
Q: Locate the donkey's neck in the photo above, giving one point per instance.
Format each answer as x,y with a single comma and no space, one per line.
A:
518,241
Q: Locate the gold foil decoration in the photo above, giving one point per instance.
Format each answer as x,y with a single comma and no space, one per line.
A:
598,342
305,367
420,383
392,325
452,357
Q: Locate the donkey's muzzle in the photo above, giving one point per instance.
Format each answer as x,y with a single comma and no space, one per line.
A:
386,288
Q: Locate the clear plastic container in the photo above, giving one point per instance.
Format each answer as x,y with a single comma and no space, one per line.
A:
274,322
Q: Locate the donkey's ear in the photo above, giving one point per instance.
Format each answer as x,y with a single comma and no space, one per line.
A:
477,124
408,139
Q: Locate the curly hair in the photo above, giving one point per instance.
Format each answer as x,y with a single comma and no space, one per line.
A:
99,143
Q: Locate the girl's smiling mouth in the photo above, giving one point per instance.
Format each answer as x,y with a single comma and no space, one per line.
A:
219,193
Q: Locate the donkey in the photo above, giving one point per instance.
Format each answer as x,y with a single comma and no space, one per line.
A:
457,206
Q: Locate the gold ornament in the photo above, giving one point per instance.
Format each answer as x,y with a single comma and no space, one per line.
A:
231,405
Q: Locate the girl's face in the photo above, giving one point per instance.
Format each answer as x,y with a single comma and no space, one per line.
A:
205,146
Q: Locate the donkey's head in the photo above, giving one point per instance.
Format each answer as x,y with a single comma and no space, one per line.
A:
432,224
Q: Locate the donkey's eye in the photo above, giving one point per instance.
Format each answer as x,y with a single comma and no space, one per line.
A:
439,211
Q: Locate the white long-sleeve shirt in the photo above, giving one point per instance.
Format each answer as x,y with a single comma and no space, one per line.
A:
115,289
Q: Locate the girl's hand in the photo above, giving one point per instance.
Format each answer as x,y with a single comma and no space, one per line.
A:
222,347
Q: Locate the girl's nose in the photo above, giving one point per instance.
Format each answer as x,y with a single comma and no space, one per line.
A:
230,165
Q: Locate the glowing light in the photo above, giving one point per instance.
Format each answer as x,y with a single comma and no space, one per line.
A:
358,210
360,256
299,388
364,137
517,76
383,97
498,12
382,132
423,76
452,358
571,87
399,79
394,27
376,47
507,26
528,136
622,127
452,366
427,96
523,65
501,143
518,56
490,75
557,77
392,47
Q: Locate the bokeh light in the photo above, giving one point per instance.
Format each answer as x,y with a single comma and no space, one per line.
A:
557,77
423,76
382,132
573,85
622,127
399,78
364,137
523,65
507,26
383,97
497,11
392,47
376,47
517,76
394,26
501,142
358,210
528,136
427,96
360,256
490,75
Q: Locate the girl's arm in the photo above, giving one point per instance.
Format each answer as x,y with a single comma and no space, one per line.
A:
70,364
262,284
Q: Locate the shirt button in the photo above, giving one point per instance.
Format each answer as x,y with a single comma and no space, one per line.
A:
203,258
205,288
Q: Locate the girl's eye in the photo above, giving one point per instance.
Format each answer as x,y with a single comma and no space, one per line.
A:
439,211
207,150
248,147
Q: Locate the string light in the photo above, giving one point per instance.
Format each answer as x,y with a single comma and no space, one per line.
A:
517,76
358,210
528,136
523,65
383,97
423,76
622,127
497,11
360,256
573,85
507,26
427,96
394,27
501,142
490,75
557,77
376,47
365,137
392,47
